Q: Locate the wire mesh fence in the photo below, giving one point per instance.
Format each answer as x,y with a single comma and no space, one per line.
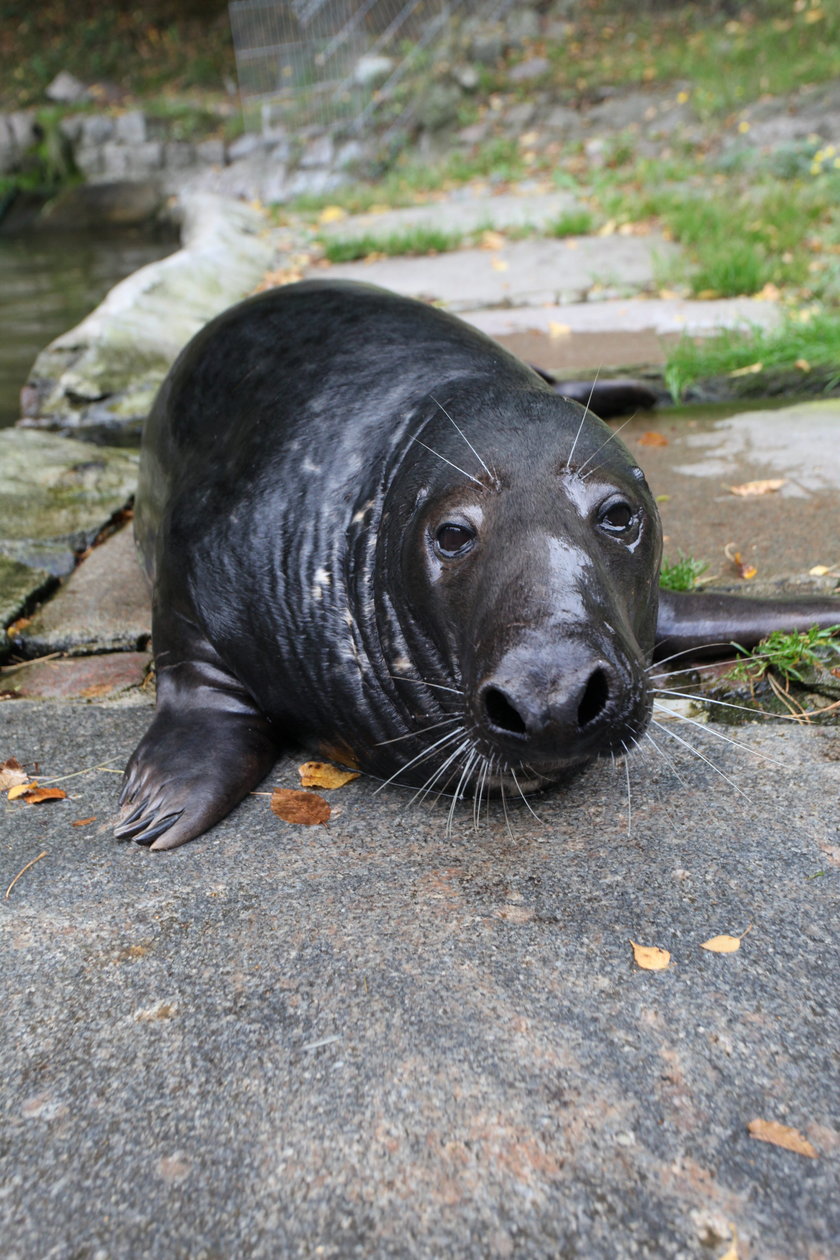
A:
341,65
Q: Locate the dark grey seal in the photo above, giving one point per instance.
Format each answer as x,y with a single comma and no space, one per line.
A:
371,530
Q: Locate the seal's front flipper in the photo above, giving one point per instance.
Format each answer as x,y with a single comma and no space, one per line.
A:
705,625
207,747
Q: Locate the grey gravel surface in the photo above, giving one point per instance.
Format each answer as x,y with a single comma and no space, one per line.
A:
377,1039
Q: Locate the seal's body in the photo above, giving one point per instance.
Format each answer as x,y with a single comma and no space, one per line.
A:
371,529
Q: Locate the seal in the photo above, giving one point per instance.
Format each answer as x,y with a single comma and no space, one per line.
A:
372,530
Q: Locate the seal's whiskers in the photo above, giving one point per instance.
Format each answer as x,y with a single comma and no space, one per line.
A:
462,471
423,755
697,753
456,717
614,434
462,434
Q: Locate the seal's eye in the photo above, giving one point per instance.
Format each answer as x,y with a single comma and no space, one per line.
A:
617,517
452,539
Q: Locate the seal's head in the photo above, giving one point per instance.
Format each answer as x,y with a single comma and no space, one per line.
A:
529,547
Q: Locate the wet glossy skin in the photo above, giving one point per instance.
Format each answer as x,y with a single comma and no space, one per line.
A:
372,530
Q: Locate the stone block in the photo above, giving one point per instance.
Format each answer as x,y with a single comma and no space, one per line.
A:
211,152
130,128
178,154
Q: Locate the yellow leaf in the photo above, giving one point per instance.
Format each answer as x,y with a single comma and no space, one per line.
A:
802,365
749,489
492,240
781,1135
19,789
332,214
320,774
725,944
819,570
751,370
556,330
498,264
650,957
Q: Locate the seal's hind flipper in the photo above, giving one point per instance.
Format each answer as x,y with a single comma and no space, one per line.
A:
208,746
607,398
707,624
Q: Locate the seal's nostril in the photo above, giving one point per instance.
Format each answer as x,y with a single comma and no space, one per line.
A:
501,712
594,699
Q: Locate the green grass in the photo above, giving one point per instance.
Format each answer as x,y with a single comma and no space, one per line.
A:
811,338
416,240
572,223
683,574
768,47
789,654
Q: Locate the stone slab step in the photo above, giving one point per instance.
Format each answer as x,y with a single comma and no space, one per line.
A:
530,272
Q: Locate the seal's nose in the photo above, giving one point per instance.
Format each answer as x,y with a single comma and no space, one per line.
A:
561,715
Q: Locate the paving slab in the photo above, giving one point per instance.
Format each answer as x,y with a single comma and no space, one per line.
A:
104,606
57,495
454,214
377,1039
523,272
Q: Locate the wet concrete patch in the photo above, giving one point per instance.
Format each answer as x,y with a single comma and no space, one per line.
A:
77,678
782,533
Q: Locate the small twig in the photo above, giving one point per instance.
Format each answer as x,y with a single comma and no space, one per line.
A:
103,765
23,871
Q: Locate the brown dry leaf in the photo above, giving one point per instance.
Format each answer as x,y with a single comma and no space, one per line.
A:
34,795
83,822
781,1135
294,806
515,914
651,438
650,957
744,569
724,944
320,774
751,370
802,365
12,774
749,489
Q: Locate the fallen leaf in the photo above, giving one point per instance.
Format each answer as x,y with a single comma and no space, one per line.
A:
743,568
321,774
820,570
781,1135
651,438
498,264
332,214
34,795
751,370
802,365
725,944
12,774
650,957
19,789
749,489
492,240
294,806
83,822
556,330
